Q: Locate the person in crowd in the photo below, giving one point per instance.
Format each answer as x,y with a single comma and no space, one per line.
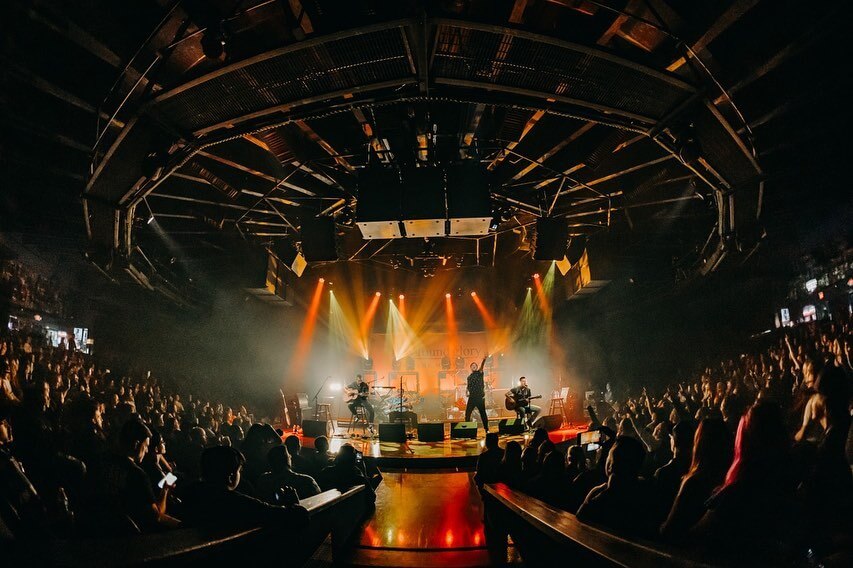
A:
530,455
488,463
271,484
22,510
260,438
215,501
711,459
668,476
825,492
346,472
623,503
753,509
549,485
319,457
576,462
155,464
120,497
85,426
299,462
509,471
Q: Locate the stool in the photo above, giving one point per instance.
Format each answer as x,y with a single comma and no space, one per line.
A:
323,411
557,407
359,417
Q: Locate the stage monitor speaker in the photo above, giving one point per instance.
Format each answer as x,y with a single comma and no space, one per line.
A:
378,211
552,236
392,432
423,210
316,428
550,422
318,239
431,432
469,203
461,430
510,426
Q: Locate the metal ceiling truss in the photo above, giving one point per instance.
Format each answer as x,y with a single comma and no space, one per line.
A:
414,60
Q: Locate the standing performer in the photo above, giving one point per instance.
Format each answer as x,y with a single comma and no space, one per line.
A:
477,394
357,392
526,412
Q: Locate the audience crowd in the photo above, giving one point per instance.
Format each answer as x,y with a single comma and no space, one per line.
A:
84,452
751,456
25,288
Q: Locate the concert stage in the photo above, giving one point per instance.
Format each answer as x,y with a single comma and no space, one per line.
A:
446,454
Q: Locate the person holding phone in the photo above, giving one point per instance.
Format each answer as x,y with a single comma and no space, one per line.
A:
120,492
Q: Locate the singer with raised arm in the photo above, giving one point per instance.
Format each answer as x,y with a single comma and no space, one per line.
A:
476,390
357,392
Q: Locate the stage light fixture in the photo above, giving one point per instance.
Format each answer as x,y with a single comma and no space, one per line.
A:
322,280
213,42
378,294
536,276
335,387
402,297
447,295
150,219
473,293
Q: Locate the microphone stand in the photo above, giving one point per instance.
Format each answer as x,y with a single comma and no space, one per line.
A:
316,412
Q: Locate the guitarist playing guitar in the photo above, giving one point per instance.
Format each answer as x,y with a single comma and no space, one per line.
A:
357,392
518,399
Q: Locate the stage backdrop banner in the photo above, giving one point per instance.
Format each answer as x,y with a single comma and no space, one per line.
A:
426,355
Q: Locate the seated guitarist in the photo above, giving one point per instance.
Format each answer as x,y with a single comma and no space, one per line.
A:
360,389
526,411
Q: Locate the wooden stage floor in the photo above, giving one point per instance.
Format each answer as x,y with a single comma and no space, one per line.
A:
447,454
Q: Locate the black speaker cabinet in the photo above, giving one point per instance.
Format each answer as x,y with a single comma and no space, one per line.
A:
431,432
316,428
459,430
552,239
392,432
318,239
549,421
511,426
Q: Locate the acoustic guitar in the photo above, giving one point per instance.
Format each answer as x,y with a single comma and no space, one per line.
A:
512,403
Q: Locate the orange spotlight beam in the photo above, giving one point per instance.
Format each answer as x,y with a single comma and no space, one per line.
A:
452,331
543,300
364,328
401,306
487,317
303,344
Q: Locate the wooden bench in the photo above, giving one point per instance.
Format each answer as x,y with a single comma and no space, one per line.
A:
544,535
330,512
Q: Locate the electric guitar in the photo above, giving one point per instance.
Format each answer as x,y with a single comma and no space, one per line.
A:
512,402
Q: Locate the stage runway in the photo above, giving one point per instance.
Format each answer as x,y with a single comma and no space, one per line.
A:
446,454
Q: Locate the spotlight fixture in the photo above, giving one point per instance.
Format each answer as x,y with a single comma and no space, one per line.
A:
322,280
378,294
213,42
402,296
150,219
447,295
536,276
529,288
473,293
